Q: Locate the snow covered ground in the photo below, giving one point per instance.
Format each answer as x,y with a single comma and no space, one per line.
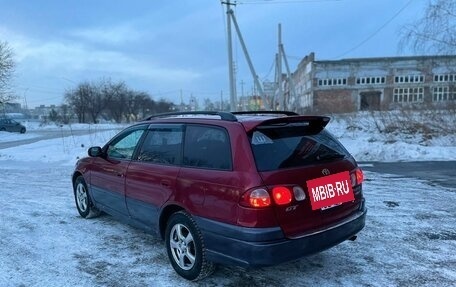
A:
409,238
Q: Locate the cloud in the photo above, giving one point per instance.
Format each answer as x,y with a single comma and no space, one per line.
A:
119,34
33,55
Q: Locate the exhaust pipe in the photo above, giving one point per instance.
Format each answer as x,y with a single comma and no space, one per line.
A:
353,238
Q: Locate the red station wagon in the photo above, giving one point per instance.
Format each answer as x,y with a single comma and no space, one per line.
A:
249,189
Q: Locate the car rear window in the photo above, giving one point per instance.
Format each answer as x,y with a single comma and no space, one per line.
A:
277,148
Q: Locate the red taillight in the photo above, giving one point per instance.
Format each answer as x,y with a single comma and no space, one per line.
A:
357,177
257,198
281,194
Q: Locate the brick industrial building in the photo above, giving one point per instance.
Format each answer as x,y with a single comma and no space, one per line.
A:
373,83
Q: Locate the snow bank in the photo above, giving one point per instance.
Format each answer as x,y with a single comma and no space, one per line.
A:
357,133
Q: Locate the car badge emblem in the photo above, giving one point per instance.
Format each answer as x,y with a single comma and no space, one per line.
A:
325,171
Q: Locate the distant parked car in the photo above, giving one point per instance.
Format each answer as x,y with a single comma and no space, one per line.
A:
9,125
247,188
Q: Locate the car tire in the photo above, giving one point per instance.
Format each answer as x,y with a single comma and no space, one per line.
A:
2,130
22,131
84,204
185,247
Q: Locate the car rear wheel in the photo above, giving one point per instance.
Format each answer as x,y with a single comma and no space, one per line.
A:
185,248
83,202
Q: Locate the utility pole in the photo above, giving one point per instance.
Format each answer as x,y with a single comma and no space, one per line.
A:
229,11
25,99
242,88
291,102
232,18
242,104
182,101
221,101
279,72
249,61
291,87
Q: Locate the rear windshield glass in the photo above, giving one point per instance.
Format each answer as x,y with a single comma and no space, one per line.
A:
276,148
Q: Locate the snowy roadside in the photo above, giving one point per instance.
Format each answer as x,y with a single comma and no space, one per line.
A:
361,139
409,240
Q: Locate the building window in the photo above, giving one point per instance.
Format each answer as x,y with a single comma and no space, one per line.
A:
408,95
332,82
409,79
445,78
440,94
370,80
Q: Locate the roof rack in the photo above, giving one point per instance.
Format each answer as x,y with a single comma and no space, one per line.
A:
286,113
226,116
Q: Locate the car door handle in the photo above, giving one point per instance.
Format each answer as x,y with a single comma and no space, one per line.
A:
165,183
109,170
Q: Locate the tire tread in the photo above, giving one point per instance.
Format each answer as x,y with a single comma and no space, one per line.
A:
207,267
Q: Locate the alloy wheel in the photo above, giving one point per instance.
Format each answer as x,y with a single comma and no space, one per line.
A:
182,246
81,197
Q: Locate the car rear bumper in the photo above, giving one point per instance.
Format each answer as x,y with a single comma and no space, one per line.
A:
257,247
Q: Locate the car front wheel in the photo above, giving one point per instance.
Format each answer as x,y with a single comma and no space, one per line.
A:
185,248
83,202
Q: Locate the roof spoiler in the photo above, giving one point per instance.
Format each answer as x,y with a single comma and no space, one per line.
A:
311,124
265,113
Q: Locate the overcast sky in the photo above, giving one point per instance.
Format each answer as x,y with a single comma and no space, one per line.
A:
163,47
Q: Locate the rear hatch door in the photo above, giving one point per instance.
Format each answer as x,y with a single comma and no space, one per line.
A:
290,151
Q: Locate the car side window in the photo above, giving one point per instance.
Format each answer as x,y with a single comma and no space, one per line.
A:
162,145
124,147
207,147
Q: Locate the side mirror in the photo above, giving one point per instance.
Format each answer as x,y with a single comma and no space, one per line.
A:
95,151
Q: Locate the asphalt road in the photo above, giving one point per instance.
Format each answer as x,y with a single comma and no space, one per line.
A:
442,173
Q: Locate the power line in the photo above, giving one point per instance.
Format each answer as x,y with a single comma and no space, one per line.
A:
284,1
40,89
270,71
376,31
32,100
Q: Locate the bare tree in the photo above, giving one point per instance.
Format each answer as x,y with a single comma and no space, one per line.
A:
141,105
65,114
98,100
209,105
7,65
435,31
163,106
130,105
116,106
112,101
78,99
